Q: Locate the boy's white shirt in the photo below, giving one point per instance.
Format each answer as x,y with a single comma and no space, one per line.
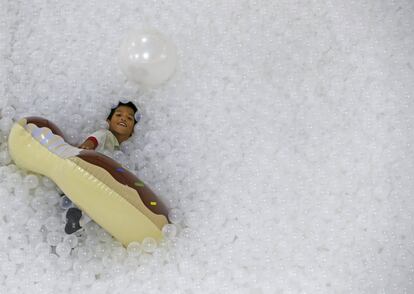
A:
106,140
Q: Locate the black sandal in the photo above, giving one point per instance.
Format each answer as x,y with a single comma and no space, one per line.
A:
73,215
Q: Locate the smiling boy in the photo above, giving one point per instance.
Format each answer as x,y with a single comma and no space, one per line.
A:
121,121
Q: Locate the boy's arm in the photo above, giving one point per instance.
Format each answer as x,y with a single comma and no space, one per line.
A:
89,144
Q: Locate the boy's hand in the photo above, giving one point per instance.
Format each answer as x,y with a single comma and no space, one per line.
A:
88,145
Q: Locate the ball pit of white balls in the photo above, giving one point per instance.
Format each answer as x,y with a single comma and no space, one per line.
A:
147,57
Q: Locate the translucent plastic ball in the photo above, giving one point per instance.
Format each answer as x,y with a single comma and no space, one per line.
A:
144,258
31,181
149,245
119,253
33,224
8,268
4,157
6,124
84,253
91,228
53,238
8,111
35,238
40,192
95,265
20,217
14,179
42,249
169,231
87,277
53,223
127,147
131,262
3,257
52,198
175,216
71,240
99,287
147,57
104,236
63,249
79,265
17,255
134,249
64,263
100,250
21,192
48,183
38,203
65,202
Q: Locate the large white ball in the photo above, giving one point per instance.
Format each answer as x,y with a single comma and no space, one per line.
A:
147,57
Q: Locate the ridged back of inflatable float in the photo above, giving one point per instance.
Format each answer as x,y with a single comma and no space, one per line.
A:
75,177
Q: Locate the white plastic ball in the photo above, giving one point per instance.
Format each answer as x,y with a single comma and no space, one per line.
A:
119,253
21,192
4,157
48,183
31,181
17,255
175,216
134,249
18,239
99,287
53,238
63,249
53,223
100,250
127,147
78,265
95,265
20,216
8,111
87,277
64,263
104,236
8,268
52,198
144,258
3,257
147,57
65,202
71,240
84,253
149,245
35,238
33,224
169,231
6,124
40,192
14,179
38,203
131,262
91,228
42,249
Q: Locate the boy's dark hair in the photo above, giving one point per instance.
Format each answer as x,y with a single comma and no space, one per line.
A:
128,104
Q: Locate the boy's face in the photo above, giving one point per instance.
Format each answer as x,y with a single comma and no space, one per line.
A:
122,121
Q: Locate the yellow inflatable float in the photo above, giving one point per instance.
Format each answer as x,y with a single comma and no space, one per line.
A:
111,195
